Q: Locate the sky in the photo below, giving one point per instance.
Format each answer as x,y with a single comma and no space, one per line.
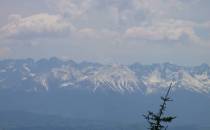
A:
107,31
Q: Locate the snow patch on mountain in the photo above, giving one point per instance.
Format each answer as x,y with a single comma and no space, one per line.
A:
66,84
25,66
3,71
117,77
198,83
42,80
66,73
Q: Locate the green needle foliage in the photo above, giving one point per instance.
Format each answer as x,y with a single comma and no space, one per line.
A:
157,120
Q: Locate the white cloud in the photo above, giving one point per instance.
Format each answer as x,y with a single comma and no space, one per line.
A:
96,35
43,25
161,8
35,26
205,25
4,51
71,8
110,19
87,33
164,30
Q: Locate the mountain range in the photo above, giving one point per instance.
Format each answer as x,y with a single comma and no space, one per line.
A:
52,74
100,94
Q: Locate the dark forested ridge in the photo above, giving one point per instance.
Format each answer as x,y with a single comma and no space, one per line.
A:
98,110
19,120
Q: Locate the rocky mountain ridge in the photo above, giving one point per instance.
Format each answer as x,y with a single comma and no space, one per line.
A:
52,74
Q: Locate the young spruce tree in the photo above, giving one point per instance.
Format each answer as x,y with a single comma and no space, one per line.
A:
158,121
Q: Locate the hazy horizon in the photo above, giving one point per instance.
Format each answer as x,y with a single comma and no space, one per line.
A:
104,63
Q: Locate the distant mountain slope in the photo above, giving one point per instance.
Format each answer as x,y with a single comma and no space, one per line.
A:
53,74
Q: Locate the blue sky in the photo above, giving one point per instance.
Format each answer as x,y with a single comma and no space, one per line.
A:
107,31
